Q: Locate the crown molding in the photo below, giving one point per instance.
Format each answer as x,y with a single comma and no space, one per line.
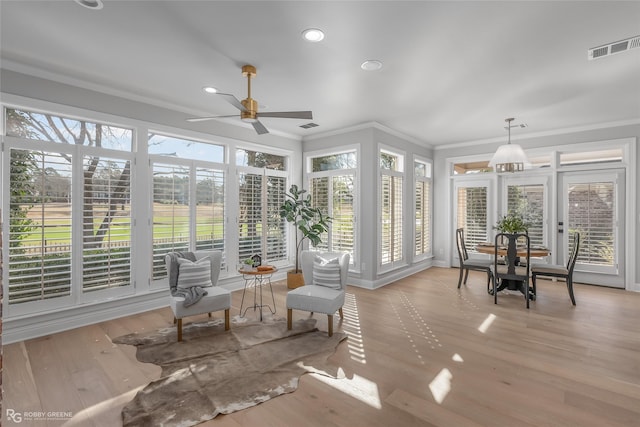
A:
521,137
364,126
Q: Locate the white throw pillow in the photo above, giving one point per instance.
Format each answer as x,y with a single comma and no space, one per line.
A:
194,273
326,272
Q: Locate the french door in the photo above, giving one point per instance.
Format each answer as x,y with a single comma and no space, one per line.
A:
592,204
472,213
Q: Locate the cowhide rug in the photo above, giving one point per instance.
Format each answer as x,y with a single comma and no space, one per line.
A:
213,371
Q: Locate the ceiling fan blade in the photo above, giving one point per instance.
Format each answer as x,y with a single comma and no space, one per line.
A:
202,119
259,127
232,100
288,114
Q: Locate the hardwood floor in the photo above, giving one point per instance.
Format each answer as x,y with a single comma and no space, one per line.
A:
420,352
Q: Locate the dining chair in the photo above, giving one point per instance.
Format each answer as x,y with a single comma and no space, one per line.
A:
511,274
466,265
559,271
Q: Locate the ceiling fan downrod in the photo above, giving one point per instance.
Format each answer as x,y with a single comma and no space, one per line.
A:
249,103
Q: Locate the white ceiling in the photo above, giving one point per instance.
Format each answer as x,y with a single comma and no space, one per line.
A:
453,71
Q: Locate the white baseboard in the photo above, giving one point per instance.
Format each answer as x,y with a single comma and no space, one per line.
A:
37,325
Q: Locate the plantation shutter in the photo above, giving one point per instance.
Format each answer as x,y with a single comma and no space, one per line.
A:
472,215
250,215
39,244
209,209
261,230
592,213
343,225
319,190
276,230
171,228
391,237
422,220
106,238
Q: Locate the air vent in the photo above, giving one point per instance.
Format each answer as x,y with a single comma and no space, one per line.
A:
308,126
613,48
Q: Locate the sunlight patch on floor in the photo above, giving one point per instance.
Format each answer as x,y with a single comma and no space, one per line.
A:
457,358
83,417
487,323
441,385
424,332
351,327
357,387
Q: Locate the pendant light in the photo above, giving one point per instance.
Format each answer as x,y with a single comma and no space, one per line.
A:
509,157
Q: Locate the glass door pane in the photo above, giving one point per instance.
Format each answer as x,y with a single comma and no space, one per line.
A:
593,207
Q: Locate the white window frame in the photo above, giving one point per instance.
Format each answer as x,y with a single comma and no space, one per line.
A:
308,157
401,173
78,296
429,179
233,249
519,180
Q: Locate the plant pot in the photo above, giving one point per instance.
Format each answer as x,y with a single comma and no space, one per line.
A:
294,279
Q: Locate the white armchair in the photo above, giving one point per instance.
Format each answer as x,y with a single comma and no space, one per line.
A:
217,298
324,288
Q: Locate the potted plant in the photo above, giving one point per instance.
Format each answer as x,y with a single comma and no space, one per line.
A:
511,223
309,222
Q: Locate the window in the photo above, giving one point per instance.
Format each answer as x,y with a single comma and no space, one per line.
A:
591,211
44,189
471,214
54,128
422,194
332,189
391,208
188,198
106,225
171,226
527,200
39,226
467,168
262,186
180,148
613,155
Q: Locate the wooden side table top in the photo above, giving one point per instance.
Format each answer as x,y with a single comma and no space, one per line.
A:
256,272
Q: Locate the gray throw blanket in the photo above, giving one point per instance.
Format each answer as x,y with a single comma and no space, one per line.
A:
191,295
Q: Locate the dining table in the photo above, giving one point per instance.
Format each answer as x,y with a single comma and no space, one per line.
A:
521,251
535,251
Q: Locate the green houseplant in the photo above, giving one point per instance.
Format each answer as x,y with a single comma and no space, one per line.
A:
310,223
511,223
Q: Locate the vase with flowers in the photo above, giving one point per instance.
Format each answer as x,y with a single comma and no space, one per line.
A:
511,223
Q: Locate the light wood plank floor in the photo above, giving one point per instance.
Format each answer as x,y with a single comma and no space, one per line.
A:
420,352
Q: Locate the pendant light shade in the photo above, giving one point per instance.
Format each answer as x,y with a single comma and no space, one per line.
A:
509,157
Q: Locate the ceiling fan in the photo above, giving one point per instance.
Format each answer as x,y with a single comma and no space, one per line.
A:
249,107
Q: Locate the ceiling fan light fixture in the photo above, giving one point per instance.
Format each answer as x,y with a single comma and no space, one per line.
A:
371,65
210,89
313,35
91,4
248,119
509,157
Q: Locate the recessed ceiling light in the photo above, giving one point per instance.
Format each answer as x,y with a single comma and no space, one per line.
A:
91,4
210,89
371,65
313,35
